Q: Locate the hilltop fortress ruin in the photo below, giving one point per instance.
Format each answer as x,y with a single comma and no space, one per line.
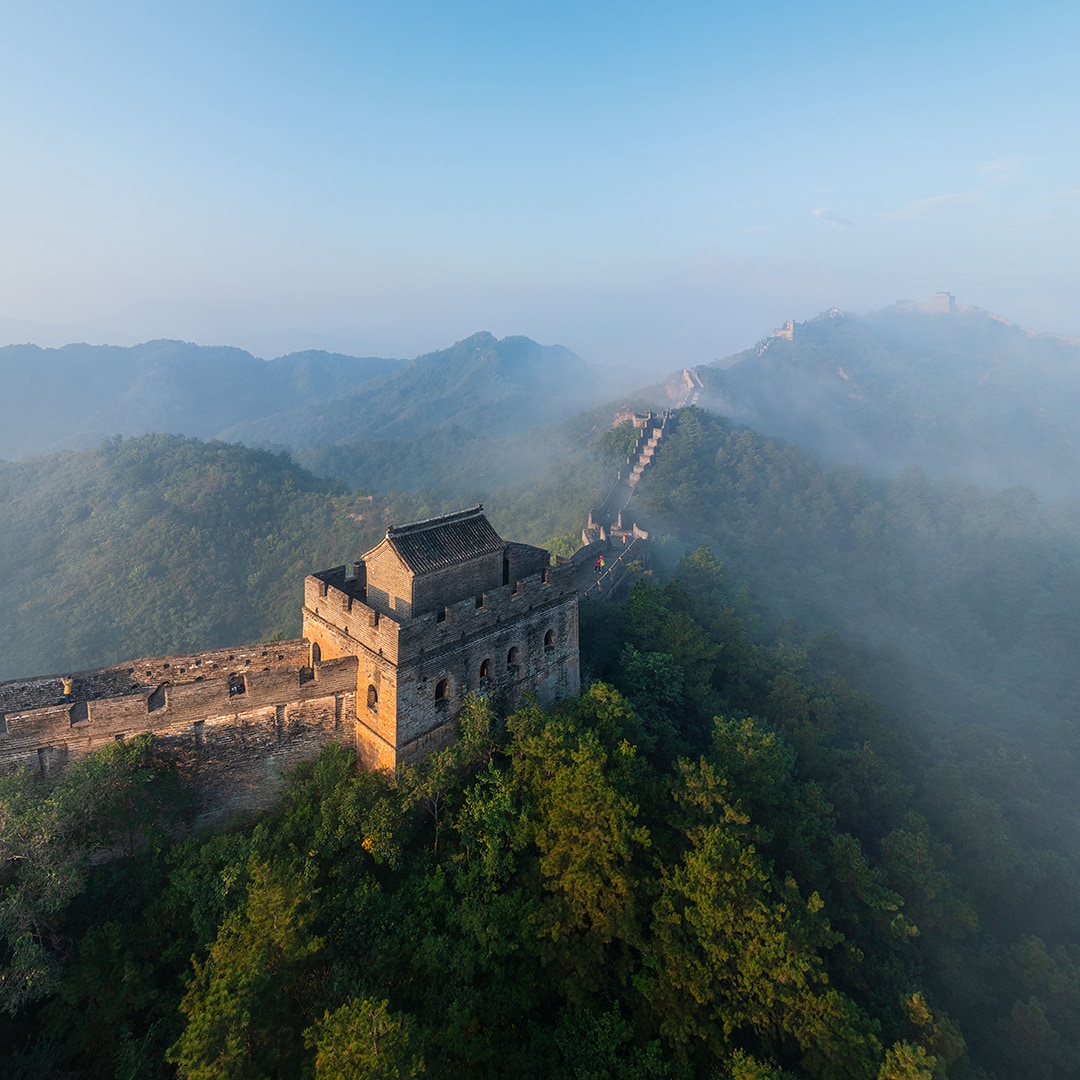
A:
391,648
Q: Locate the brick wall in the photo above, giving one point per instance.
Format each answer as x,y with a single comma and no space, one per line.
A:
389,582
463,580
537,618
371,676
421,668
235,738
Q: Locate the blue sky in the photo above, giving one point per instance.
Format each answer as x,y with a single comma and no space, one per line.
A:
643,185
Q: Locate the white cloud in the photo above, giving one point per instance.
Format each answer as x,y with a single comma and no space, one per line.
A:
1035,221
923,207
1070,193
831,217
997,172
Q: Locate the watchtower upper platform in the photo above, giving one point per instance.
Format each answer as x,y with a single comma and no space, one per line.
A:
426,565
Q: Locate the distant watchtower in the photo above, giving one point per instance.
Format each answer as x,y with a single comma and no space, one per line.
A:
437,609
941,303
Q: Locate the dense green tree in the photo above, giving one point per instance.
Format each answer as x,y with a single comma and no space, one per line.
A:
110,801
365,1041
245,1005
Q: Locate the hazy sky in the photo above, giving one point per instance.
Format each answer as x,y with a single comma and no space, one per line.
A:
639,182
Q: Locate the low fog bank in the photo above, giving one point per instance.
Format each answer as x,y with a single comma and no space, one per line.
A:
959,393
958,606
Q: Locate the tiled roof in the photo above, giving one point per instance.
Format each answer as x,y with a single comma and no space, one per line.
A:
439,542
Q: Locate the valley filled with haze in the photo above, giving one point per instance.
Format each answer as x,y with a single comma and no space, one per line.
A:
274,280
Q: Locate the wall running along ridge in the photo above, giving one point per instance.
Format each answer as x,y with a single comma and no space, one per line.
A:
387,677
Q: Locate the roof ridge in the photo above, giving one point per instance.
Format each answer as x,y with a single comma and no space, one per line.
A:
395,531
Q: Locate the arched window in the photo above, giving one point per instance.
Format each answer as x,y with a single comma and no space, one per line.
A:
485,668
513,658
372,697
316,653
442,690
549,641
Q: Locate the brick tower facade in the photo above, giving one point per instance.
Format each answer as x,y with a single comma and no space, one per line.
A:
437,609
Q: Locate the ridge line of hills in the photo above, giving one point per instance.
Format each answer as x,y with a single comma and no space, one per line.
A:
965,393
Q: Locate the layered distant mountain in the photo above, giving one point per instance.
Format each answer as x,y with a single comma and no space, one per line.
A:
481,384
962,392
74,396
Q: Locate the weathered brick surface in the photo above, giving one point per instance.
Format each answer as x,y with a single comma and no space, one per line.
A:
468,579
389,582
416,669
235,742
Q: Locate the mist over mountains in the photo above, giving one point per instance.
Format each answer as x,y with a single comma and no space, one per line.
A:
73,397
963,393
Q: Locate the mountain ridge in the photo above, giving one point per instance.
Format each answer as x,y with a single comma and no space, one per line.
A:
965,393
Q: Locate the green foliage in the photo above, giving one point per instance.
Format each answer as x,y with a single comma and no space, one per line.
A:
114,800
617,443
243,1004
364,1039
185,545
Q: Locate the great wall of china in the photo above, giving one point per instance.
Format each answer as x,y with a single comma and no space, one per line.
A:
239,718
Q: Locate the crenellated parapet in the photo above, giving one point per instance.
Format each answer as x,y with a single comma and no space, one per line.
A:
440,609
237,718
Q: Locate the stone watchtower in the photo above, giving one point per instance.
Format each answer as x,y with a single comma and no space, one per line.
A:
440,608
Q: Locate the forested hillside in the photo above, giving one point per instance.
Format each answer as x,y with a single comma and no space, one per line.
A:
161,544
728,863
482,385
479,388
954,600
